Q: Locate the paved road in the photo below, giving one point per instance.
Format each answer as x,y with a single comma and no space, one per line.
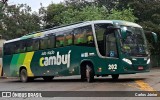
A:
134,82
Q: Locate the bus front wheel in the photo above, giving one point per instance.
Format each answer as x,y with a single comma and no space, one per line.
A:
115,76
89,73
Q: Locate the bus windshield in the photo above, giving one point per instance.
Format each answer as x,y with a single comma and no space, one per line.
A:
134,43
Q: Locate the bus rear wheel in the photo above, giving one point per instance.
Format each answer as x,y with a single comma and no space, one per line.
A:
23,76
89,73
115,76
48,78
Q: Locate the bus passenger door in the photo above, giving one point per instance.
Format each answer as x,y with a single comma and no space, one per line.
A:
111,51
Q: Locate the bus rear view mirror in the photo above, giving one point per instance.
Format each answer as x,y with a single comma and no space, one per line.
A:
125,33
155,37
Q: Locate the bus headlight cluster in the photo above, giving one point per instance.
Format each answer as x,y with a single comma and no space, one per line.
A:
148,61
127,61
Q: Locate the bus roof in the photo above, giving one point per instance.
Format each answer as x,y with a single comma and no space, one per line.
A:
71,26
126,23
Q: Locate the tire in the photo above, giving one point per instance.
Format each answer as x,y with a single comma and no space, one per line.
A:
89,73
115,76
83,73
48,78
23,76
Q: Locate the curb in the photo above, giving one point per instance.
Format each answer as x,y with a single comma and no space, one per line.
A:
3,77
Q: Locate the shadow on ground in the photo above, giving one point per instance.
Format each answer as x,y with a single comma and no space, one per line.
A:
99,80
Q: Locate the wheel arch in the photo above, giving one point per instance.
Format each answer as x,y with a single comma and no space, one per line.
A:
22,67
85,62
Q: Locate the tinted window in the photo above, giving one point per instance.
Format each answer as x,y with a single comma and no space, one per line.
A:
64,38
68,39
9,48
20,47
51,41
32,44
83,36
60,40
43,43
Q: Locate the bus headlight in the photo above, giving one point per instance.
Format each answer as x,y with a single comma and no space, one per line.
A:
148,61
127,61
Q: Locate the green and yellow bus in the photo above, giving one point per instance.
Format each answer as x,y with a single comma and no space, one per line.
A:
91,48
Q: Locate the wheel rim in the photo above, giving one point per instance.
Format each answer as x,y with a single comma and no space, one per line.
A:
23,76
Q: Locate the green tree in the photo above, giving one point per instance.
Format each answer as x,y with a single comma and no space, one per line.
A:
18,20
49,15
126,14
68,14
85,14
108,4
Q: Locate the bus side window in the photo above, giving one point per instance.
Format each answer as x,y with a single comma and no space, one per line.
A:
43,43
29,45
90,38
9,49
69,39
6,49
84,36
32,44
17,47
23,46
35,44
20,47
51,41
60,41
79,36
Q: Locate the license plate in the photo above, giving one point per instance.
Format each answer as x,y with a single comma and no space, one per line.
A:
140,67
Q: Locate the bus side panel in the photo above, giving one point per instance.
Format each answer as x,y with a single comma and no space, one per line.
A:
60,61
54,62
6,65
12,64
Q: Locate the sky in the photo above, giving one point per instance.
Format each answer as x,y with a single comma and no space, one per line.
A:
34,4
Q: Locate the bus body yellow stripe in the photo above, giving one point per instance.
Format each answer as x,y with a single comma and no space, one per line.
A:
27,62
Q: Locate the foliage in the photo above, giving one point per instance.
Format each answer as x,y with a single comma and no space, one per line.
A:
50,17
85,14
18,20
69,14
126,14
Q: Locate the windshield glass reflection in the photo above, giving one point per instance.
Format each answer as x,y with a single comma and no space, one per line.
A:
134,42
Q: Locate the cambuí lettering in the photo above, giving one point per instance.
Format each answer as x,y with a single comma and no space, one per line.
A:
56,60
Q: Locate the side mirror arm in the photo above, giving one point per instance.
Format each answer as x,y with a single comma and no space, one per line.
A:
155,37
